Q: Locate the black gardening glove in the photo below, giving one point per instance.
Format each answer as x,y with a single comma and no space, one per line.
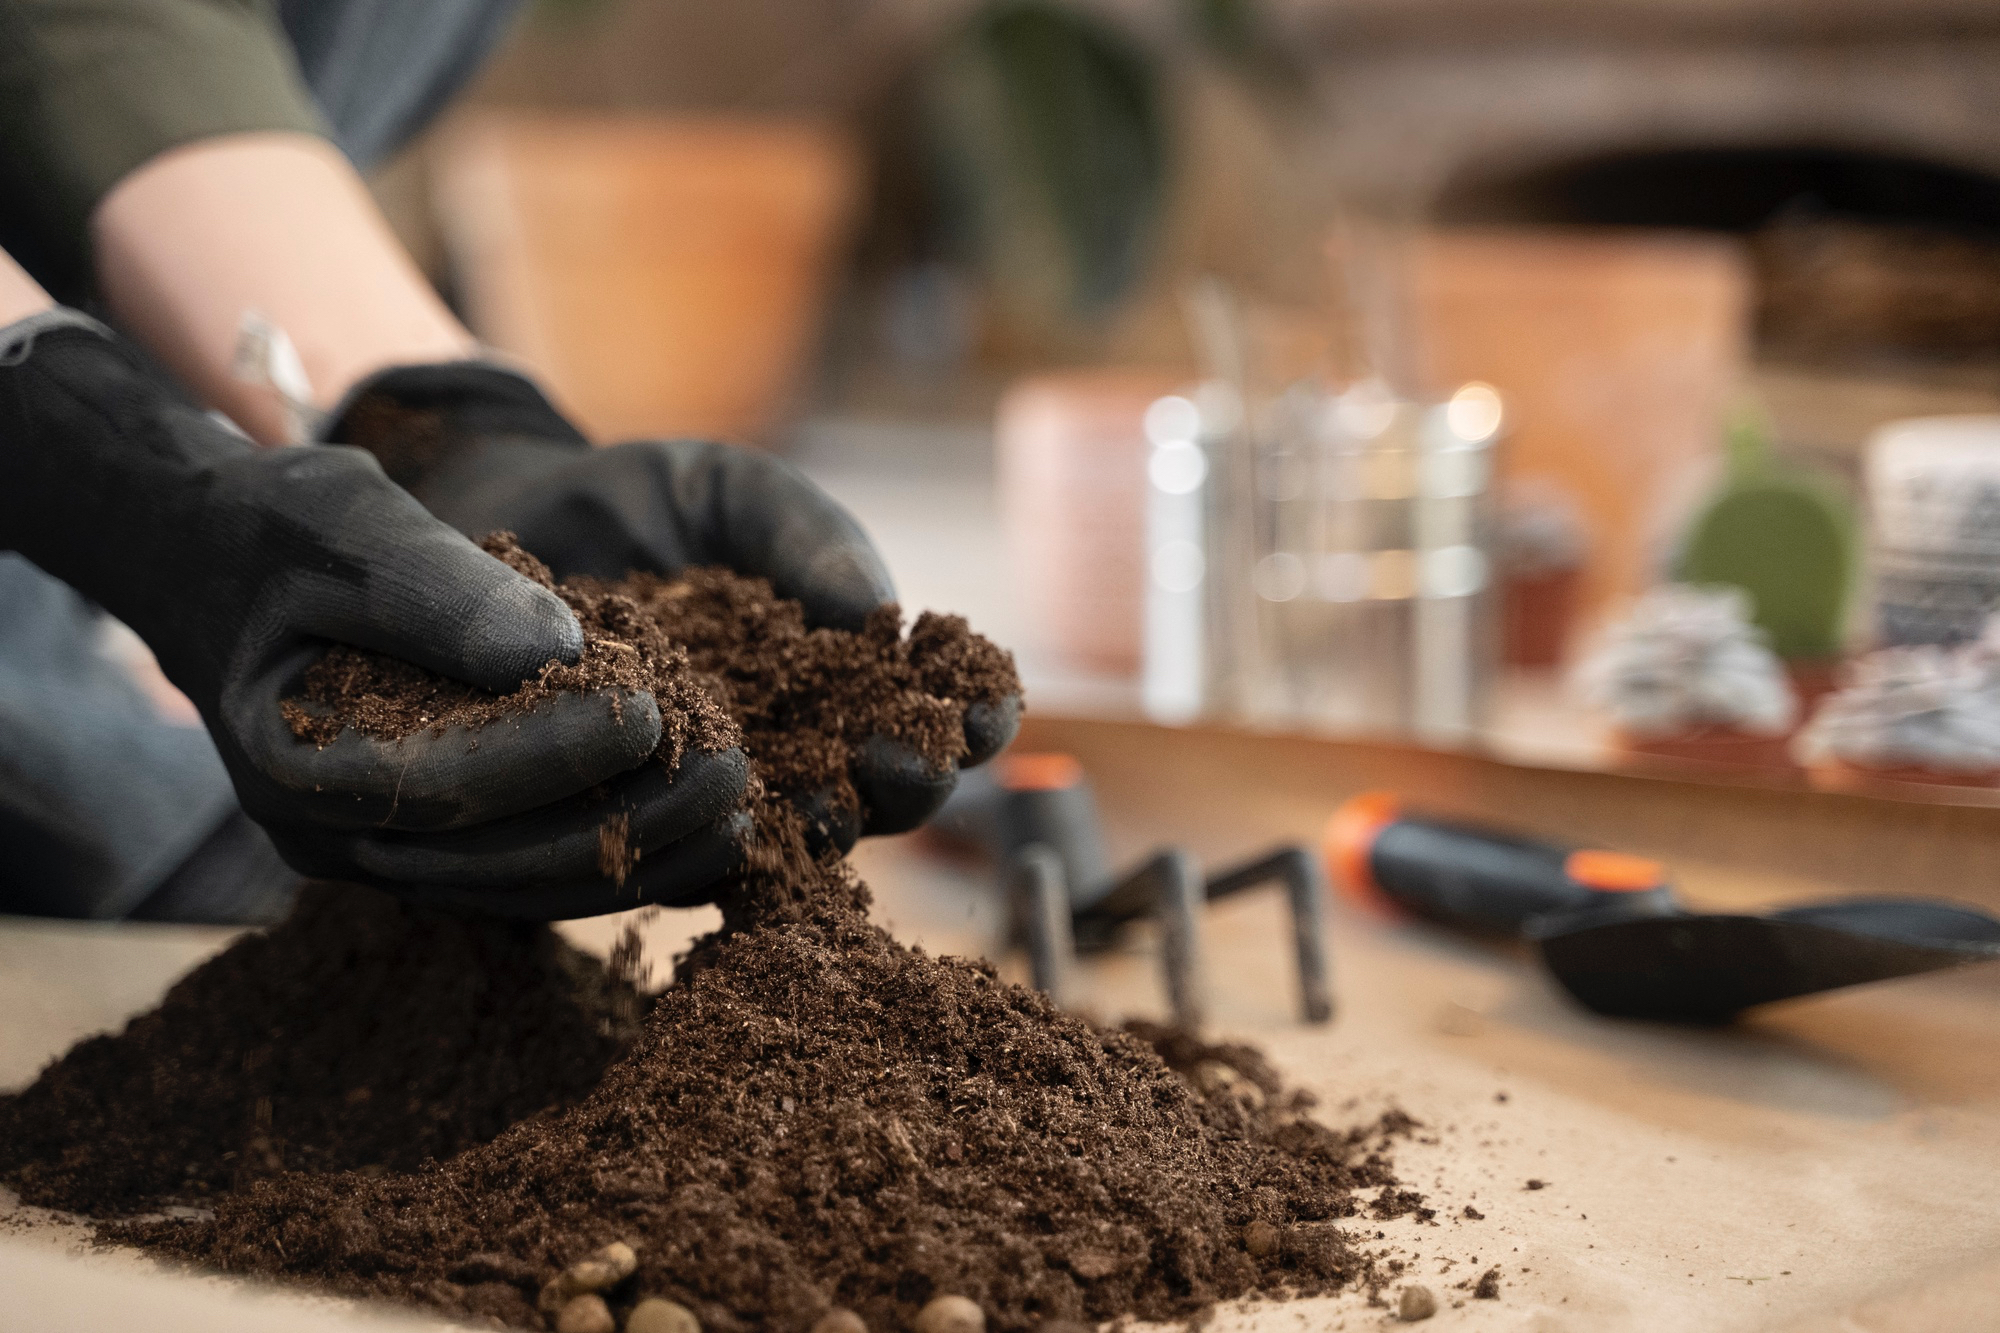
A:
239,564
484,449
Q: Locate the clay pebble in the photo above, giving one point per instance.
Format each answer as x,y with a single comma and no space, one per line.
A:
604,1269
840,1321
1416,1303
585,1314
624,1260
657,1315
951,1314
1261,1239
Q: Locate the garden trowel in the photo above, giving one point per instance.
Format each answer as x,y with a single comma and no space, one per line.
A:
1606,923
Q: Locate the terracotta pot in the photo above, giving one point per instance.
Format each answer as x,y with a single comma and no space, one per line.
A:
1615,353
665,276
1536,613
1716,745
1811,681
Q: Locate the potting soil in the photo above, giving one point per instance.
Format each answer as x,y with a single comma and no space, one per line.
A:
444,1111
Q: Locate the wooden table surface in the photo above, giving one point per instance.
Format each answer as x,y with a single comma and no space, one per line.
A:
1832,1164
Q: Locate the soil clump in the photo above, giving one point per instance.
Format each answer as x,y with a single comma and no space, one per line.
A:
810,1117
623,649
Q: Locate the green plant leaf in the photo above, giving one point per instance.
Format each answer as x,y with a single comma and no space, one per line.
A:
1072,129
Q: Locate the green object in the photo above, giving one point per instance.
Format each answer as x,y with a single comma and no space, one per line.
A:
1228,27
1234,31
1786,536
1052,147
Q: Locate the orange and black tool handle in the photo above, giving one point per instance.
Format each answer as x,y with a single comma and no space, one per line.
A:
1479,879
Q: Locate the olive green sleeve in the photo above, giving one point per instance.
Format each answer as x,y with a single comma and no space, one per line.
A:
91,89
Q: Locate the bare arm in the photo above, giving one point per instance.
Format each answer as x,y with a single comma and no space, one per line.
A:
20,295
276,223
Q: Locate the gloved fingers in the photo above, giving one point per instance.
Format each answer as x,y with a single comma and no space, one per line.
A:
829,823
412,587
570,841
664,505
690,871
462,400
430,782
899,788
768,518
667,504
680,874
990,727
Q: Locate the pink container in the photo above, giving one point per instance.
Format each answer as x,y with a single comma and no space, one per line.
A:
1071,456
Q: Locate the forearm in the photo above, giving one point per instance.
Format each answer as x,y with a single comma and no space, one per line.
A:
278,224
20,295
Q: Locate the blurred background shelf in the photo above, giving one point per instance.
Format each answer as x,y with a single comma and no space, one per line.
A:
943,257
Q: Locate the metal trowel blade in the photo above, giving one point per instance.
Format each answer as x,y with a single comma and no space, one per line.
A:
1705,968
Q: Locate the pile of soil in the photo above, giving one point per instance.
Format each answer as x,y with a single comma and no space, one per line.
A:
820,1117
356,1035
810,1116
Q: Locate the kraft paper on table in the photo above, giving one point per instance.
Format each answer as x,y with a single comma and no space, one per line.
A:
1831,1165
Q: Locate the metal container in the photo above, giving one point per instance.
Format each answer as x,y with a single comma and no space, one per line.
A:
1321,561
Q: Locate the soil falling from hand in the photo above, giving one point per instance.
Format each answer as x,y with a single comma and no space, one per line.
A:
811,1115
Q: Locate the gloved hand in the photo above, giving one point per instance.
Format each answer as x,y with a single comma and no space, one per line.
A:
238,564
484,449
